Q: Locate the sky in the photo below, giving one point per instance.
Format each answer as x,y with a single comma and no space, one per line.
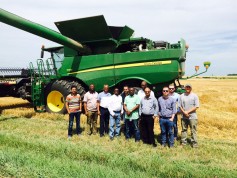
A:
209,27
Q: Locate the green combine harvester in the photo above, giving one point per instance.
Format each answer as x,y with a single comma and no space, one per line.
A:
94,52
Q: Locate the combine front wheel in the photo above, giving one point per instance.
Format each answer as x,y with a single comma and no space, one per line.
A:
56,95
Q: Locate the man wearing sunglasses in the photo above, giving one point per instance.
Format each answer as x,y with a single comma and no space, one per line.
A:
167,111
175,96
189,103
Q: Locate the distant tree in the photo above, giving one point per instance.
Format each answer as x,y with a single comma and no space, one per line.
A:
232,75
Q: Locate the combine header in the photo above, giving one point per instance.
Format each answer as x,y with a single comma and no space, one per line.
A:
13,81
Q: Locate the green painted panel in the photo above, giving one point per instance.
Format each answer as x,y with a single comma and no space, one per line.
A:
78,63
153,74
126,32
147,56
81,66
121,32
85,29
98,78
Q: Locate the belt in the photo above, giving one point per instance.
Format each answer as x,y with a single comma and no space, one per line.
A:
102,107
147,115
116,111
165,117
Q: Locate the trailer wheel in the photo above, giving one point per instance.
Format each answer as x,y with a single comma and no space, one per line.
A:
56,95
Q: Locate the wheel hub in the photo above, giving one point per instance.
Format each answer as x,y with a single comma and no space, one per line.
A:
55,101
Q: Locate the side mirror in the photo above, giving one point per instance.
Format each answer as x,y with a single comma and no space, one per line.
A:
42,52
207,64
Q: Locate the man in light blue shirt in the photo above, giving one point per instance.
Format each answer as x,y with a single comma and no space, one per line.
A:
131,105
148,111
102,107
167,111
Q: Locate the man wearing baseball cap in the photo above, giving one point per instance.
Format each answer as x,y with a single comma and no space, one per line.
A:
188,104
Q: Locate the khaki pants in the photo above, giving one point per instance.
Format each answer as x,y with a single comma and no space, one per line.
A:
92,122
193,126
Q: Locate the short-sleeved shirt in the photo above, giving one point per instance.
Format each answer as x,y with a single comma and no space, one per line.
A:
131,102
104,99
73,102
187,102
91,100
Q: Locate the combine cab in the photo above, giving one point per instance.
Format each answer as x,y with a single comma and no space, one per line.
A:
94,52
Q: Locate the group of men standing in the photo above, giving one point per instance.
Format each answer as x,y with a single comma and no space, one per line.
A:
138,112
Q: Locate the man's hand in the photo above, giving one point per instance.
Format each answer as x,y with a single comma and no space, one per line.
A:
98,112
158,118
128,113
171,119
86,113
186,113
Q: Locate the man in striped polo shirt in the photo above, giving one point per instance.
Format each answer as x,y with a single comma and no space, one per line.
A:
73,105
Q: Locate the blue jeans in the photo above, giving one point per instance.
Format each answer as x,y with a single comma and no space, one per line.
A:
175,126
131,129
114,121
166,130
132,125
71,119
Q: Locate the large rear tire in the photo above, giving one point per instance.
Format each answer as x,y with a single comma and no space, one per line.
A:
56,94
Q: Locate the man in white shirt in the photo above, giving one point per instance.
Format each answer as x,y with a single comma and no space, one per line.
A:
102,107
141,93
90,105
116,110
